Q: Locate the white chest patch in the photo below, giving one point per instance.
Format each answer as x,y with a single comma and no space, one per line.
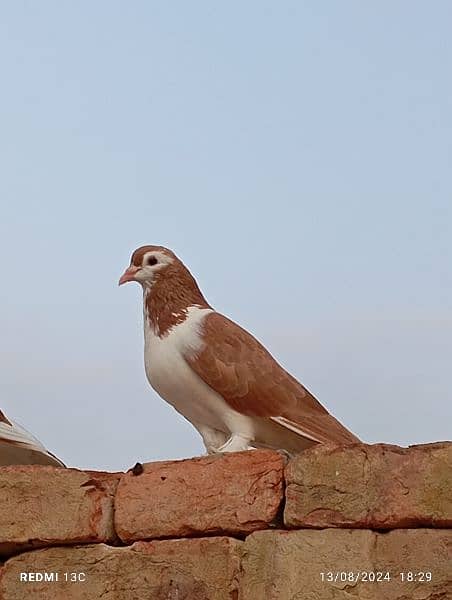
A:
174,380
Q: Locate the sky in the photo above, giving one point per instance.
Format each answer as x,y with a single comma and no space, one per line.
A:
296,156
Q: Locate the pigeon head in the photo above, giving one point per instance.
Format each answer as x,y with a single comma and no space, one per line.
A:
169,287
147,263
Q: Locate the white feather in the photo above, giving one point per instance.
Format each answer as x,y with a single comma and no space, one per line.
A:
294,427
17,433
174,380
15,437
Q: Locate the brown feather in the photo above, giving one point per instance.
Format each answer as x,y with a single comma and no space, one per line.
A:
172,293
244,373
3,419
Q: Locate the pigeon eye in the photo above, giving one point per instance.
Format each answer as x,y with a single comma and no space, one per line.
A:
152,261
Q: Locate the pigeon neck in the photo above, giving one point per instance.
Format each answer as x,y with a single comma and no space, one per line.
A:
167,300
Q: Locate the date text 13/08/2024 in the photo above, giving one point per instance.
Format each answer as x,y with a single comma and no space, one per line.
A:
375,576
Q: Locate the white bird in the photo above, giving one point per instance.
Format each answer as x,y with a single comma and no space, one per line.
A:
216,374
19,447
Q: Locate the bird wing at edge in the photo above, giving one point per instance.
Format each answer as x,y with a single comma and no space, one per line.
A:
14,434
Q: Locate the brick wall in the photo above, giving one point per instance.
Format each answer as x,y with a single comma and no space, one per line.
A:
243,526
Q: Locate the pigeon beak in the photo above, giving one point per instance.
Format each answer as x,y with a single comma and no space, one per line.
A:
128,275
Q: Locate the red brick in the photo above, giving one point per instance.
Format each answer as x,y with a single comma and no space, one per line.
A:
47,505
196,569
282,565
370,486
232,493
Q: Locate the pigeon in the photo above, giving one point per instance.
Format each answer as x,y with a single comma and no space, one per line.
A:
215,373
19,447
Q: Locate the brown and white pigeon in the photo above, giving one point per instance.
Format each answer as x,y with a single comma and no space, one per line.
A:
19,447
216,374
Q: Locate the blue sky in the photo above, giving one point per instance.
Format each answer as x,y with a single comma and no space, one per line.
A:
296,155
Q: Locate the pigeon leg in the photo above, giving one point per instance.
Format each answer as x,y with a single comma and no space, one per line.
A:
236,443
212,438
